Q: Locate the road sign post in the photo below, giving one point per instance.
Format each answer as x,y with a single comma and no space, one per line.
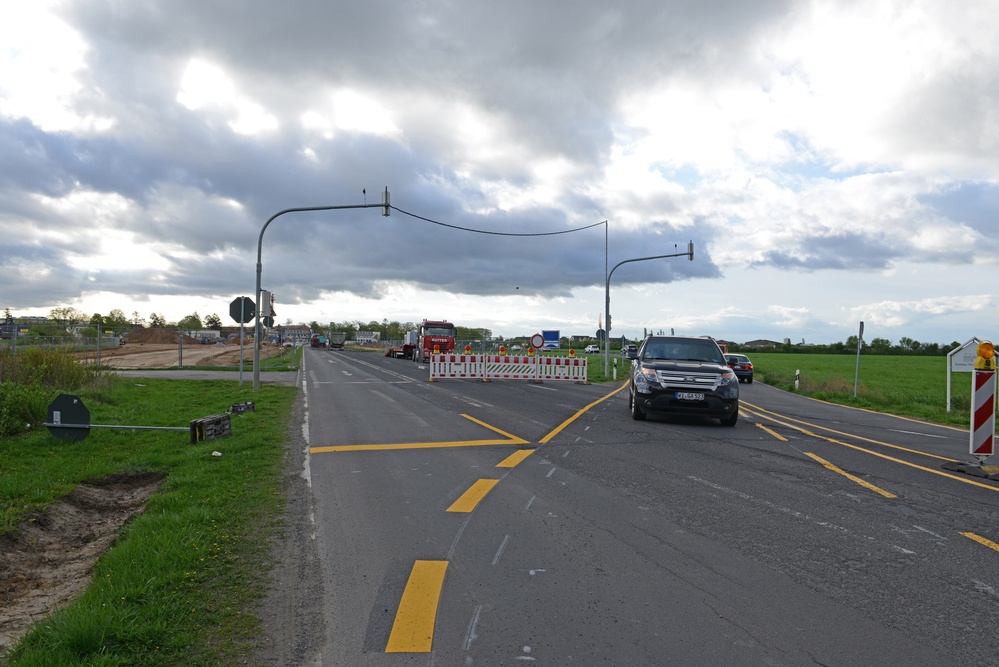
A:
242,309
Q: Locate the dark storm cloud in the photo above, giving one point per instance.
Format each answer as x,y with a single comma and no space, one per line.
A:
973,204
839,251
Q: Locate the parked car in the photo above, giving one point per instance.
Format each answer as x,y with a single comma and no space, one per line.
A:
629,351
591,349
682,375
742,366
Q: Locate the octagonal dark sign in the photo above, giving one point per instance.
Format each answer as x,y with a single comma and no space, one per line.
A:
69,418
242,309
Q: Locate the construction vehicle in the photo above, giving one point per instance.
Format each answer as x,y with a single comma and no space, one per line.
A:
433,337
318,341
336,339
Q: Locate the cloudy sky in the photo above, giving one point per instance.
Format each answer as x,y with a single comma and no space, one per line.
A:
832,162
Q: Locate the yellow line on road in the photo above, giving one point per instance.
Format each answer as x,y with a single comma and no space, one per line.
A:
514,459
558,429
772,432
982,540
413,629
873,453
475,493
514,440
409,445
510,440
854,478
766,414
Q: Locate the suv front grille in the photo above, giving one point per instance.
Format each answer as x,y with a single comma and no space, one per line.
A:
694,380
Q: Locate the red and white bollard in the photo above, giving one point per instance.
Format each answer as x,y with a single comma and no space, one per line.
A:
983,402
983,416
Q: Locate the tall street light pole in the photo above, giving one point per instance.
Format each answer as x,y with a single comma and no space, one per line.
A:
258,328
607,318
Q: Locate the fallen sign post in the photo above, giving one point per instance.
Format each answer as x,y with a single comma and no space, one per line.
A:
69,419
983,415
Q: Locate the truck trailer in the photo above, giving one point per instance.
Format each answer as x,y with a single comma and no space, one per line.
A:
336,340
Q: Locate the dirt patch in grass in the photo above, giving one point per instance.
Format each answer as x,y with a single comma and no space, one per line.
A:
48,560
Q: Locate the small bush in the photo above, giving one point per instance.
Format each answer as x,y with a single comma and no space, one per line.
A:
31,377
22,406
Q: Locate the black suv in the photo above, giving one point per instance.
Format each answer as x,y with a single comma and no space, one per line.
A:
683,376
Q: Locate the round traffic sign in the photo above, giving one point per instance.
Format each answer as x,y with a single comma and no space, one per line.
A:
537,341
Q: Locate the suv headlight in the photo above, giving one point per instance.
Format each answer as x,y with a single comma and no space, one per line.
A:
728,384
644,377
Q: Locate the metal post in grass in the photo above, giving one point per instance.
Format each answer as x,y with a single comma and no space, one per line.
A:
860,344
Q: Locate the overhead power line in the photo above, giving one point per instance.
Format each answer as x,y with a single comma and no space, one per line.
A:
492,233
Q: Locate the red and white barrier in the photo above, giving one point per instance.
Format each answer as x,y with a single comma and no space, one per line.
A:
507,367
983,413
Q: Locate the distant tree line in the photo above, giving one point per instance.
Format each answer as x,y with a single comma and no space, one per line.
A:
904,347
66,320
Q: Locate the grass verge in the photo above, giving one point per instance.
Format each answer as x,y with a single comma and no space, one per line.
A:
910,386
179,584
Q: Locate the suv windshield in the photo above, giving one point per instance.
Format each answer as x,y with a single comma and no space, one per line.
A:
705,351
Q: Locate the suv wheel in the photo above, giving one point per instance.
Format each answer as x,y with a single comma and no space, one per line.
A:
636,412
730,420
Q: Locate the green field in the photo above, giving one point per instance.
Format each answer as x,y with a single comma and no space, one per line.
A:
913,386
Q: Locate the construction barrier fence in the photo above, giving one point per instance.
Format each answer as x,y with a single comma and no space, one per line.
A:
507,367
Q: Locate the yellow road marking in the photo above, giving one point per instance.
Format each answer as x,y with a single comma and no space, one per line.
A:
873,453
854,478
413,629
514,440
475,493
514,459
765,413
408,445
982,540
510,440
558,429
772,432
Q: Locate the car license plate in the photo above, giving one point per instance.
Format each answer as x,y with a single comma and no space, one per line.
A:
689,396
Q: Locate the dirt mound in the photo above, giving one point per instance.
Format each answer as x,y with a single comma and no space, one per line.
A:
47,561
157,336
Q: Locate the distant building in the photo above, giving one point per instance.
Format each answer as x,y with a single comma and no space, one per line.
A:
368,337
762,344
293,333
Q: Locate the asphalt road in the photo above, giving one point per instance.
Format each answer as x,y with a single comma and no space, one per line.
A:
465,522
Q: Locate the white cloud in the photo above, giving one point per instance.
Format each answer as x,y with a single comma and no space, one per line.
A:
40,67
207,86
356,112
